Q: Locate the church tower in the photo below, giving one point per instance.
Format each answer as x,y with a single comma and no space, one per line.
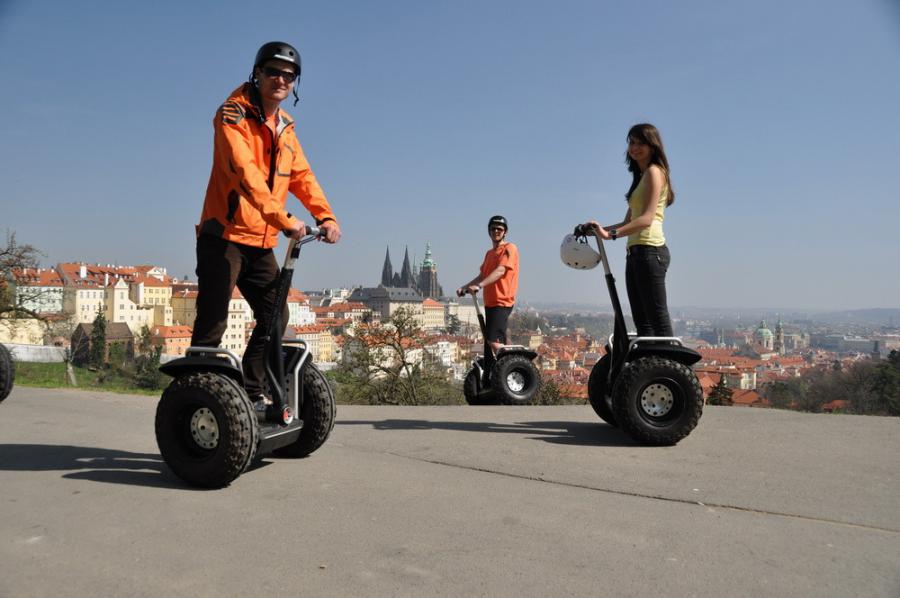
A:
406,276
387,271
779,337
428,282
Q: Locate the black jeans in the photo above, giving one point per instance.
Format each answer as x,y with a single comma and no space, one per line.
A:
221,265
495,323
645,278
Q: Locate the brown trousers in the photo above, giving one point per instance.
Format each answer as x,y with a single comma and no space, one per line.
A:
222,265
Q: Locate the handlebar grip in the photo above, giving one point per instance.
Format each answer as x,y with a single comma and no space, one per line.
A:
581,230
315,231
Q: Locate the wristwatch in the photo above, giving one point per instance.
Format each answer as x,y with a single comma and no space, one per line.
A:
613,234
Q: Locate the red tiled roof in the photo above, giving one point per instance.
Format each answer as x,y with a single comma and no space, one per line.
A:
297,296
172,331
37,277
149,281
748,398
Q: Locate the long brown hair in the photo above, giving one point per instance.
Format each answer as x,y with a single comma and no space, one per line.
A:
649,135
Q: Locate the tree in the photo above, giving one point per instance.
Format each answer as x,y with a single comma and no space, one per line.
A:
97,349
146,364
548,394
886,383
786,394
523,322
13,301
453,324
386,364
720,393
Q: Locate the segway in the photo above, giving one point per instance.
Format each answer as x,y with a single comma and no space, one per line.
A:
207,429
7,372
513,380
643,384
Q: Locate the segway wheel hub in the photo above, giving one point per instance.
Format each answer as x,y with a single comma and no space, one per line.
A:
205,428
515,381
287,416
657,400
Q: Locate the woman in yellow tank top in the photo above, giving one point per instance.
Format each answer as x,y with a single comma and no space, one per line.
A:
647,255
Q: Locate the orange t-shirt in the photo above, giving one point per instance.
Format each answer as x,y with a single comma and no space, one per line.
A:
503,292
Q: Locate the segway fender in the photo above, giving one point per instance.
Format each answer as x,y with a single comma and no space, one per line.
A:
191,363
679,353
517,350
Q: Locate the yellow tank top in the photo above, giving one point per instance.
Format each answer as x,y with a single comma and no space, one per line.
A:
653,234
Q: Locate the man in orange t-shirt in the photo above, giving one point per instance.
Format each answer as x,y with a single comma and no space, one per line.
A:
499,277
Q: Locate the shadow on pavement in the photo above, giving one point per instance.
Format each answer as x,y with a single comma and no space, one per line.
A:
90,463
558,432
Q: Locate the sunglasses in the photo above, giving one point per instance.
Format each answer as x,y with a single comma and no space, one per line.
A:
494,229
274,73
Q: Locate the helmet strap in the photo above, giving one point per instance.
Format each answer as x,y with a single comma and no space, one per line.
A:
256,99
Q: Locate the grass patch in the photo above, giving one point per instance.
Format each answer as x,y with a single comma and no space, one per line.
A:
53,375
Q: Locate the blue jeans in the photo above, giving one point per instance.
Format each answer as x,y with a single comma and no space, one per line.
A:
645,278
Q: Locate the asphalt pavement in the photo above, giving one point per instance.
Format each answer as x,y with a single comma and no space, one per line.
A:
453,501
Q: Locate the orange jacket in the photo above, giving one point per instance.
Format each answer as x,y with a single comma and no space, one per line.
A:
248,186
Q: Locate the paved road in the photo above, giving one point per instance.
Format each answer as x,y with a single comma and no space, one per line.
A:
453,501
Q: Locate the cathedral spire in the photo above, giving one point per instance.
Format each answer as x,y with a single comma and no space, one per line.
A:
406,276
387,272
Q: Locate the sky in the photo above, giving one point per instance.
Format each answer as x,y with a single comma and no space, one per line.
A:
423,119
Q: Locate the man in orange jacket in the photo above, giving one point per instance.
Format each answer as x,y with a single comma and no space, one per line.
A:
256,161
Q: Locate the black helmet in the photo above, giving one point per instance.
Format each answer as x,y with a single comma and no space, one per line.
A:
279,51
500,220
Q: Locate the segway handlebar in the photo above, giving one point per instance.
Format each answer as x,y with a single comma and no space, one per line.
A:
585,230
313,231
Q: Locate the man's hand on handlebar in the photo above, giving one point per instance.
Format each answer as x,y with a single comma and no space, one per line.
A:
331,232
472,289
296,230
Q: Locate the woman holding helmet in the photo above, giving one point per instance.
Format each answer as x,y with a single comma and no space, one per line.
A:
648,257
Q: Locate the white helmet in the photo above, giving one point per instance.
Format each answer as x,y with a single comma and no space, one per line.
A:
576,253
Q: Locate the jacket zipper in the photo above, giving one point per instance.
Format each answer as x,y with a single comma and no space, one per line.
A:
271,182
272,166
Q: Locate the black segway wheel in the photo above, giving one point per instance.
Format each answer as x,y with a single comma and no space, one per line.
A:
657,401
471,387
598,393
7,372
515,380
472,390
317,412
206,429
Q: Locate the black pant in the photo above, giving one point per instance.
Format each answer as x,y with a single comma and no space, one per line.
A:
495,322
645,278
221,265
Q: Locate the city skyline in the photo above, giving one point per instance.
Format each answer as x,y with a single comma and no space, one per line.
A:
422,121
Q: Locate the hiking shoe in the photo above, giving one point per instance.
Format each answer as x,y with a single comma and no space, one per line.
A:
261,402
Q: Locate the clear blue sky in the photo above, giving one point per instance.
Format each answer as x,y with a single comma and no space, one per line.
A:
421,119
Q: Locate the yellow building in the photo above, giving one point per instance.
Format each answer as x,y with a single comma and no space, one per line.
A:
184,307
174,340
433,315
326,346
120,308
